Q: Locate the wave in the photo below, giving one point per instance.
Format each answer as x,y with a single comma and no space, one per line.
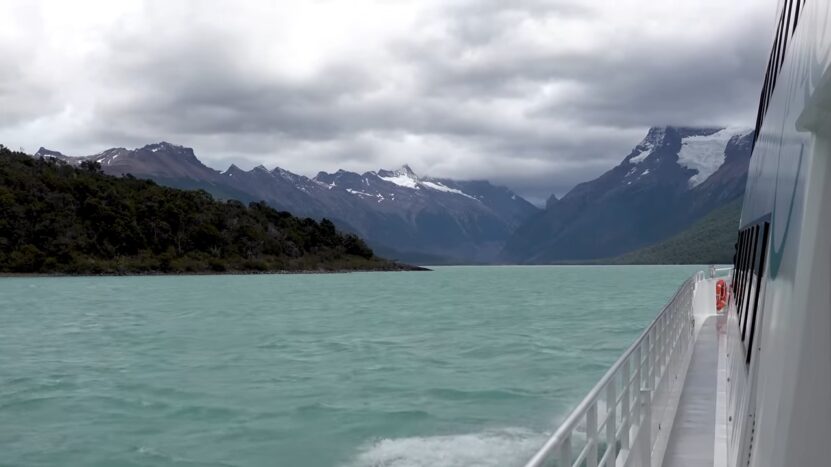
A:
321,409
482,394
493,448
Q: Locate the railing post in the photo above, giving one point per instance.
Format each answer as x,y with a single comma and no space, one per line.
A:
665,347
638,384
654,340
611,423
565,452
680,326
647,364
591,435
625,413
657,357
661,350
645,430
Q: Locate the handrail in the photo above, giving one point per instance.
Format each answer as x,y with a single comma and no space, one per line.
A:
669,331
721,272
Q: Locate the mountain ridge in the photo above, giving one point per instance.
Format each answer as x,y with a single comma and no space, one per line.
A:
670,179
394,210
654,193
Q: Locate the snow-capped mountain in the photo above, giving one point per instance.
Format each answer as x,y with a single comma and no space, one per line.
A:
673,177
384,186
467,220
399,213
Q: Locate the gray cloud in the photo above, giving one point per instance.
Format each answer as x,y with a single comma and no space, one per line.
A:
535,94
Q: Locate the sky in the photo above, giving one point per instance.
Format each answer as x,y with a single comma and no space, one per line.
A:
537,95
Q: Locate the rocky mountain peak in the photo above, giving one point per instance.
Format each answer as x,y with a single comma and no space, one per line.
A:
232,169
281,172
43,152
167,148
404,177
551,201
653,140
405,169
690,152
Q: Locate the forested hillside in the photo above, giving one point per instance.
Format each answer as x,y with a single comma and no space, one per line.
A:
711,240
55,218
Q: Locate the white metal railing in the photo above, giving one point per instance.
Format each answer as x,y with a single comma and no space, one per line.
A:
613,425
720,272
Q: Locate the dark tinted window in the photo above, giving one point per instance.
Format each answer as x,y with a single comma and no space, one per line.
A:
760,269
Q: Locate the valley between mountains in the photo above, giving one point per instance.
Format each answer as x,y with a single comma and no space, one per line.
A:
667,185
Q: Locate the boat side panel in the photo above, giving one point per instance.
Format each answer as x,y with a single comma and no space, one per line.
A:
787,386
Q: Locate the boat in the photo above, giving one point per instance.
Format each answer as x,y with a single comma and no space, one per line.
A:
750,384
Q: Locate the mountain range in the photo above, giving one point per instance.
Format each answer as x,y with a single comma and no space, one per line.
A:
400,214
672,179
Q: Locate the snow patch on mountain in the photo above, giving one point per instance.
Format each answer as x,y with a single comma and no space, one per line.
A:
705,154
653,139
640,157
406,178
402,177
440,187
402,180
360,193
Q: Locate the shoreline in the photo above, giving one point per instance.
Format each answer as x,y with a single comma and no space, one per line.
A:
409,268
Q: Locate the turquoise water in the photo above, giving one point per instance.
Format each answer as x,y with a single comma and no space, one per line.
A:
456,367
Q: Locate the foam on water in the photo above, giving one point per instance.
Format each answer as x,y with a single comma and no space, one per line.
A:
497,448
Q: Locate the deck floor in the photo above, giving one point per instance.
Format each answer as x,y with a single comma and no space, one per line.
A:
691,441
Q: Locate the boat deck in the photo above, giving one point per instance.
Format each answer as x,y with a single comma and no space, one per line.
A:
679,419
693,436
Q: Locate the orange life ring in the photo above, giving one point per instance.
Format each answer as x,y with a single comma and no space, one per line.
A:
721,294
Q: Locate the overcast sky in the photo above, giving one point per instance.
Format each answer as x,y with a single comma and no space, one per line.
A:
535,94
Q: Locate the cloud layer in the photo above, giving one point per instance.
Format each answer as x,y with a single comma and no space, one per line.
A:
535,94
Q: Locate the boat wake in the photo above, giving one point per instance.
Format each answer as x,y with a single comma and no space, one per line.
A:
505,447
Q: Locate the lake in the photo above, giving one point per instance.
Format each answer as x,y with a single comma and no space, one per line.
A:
461,366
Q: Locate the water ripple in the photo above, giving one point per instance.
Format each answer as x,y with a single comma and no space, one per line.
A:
457,367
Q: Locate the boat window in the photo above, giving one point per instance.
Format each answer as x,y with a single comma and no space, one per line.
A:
737,281
760,269
787,23
796,16
735,264
750,277
743,272
777,60
743,279
788,19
